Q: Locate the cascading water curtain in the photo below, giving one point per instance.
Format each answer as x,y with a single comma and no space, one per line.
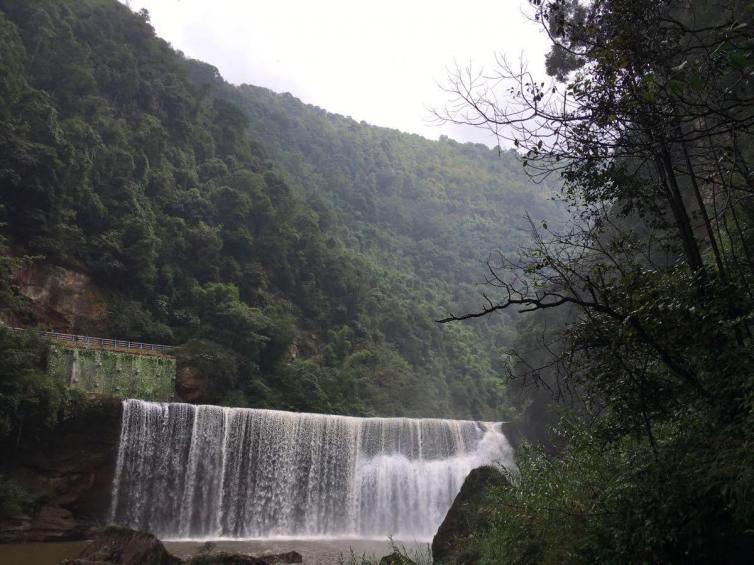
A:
187,471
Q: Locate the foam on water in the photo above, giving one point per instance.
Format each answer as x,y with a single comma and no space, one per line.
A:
208,472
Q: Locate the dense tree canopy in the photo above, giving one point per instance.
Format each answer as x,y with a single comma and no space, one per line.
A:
301,256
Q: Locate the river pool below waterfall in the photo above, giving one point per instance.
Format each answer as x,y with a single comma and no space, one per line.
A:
314,551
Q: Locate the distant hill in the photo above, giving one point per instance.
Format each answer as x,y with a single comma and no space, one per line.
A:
302,257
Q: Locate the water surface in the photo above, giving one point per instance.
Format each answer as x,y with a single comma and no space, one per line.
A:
49,553
314,552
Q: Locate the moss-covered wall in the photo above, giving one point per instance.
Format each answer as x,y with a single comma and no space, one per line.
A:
115,373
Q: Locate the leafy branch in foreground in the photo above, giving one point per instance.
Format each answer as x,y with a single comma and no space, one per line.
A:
649,124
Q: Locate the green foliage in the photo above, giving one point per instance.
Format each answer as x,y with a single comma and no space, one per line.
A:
418,218
651,462
400,556
210,358
30,400
542,517
116,373
685,500
250,222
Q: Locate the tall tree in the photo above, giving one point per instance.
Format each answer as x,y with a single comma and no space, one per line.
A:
648,122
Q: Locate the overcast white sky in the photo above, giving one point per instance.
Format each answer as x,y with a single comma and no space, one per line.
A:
378,61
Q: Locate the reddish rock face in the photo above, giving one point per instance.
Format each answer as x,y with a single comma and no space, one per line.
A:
54,521
71,470
64,300
191,385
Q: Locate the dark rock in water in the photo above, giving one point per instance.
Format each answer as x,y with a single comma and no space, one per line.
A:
70,471
287,557
125,547
223,558
396,558
466,516
207,547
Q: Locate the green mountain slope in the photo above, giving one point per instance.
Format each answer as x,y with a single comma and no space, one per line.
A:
301,256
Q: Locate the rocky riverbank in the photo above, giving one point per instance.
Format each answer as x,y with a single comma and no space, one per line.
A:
123,546
68,473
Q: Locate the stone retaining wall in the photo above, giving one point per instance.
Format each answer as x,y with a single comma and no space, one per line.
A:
114,373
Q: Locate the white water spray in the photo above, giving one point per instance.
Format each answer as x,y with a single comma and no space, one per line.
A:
188,471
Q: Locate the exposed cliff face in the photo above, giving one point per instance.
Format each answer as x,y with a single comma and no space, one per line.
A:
64,300
70,471
191,384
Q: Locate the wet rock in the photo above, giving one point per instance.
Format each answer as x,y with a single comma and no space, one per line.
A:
125,547
396,558
55,521
287,557
223,558
470,513
14,528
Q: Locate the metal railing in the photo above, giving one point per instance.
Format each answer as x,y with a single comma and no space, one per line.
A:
86,340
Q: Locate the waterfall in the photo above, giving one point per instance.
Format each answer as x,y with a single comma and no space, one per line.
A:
191,472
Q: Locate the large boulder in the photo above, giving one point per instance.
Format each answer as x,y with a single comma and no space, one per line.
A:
469,514
125,547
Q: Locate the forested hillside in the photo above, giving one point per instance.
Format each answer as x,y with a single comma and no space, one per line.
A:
300,257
